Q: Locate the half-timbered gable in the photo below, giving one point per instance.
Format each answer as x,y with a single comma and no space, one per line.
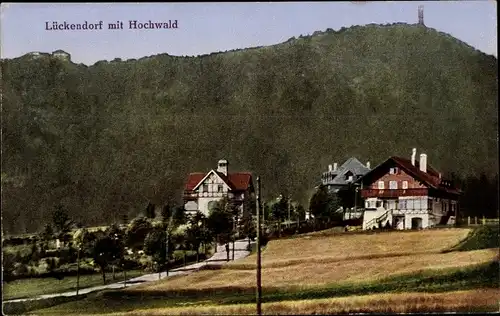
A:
204,189
406,193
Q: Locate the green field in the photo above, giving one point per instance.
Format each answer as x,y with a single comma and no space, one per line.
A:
33,287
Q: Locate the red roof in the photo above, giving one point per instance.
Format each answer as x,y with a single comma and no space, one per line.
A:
431,178
194,179
239,181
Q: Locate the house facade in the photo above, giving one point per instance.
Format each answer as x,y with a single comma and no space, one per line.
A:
202,190
407,194
350,171
61,54
338,178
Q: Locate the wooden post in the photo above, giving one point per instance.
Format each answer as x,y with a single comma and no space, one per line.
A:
259,276
77,270
475,220
484,220
288,224
166,246
468,220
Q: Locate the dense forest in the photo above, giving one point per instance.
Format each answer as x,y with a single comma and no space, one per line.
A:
107,139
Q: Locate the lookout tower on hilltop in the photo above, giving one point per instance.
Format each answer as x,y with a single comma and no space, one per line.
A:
421,15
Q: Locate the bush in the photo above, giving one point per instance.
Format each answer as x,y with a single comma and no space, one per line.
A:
482,237
130,264
20,269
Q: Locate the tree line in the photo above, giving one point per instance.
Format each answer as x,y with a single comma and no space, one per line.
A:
104,140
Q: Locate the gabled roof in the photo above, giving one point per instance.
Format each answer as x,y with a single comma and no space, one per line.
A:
431,178
239,181
352,164
194,179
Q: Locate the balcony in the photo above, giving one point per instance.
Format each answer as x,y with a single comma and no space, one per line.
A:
192,195
388,193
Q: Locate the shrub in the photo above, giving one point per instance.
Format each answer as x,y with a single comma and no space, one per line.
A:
482,238
20,269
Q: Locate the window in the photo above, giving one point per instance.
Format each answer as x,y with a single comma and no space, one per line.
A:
205,188
381,185
402,204
379,203
211,205
391,205
393,170
220,188
371,204
417,205
393,185
410,205
404,185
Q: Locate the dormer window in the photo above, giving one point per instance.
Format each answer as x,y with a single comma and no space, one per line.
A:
393,170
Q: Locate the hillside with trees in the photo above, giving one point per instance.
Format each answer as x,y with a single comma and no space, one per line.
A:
105,140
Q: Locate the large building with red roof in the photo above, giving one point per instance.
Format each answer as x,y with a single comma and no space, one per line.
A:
203,189
407,194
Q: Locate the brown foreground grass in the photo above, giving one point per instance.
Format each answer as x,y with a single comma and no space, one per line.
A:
314,274
336,258
482,299
351,246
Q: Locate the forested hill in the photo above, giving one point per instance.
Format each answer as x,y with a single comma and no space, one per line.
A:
104,140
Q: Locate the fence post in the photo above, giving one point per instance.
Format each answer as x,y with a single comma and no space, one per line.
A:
475,220
468,220
484,220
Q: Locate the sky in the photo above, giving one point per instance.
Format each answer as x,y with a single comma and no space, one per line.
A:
203,28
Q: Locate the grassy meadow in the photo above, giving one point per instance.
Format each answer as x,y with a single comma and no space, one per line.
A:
330,272
464,301
32,287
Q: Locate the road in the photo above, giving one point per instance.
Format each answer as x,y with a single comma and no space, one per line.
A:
218,258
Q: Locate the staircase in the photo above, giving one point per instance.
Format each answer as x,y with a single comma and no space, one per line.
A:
378,220
444,220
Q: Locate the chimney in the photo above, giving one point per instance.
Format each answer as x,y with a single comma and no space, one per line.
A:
330,168
222,168
368,164
423,162
334,166
413,156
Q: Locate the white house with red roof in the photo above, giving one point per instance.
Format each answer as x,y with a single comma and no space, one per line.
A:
407,194
203,189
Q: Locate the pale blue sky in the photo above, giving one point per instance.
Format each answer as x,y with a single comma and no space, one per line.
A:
211,27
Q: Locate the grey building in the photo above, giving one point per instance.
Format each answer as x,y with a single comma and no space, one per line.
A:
337,178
